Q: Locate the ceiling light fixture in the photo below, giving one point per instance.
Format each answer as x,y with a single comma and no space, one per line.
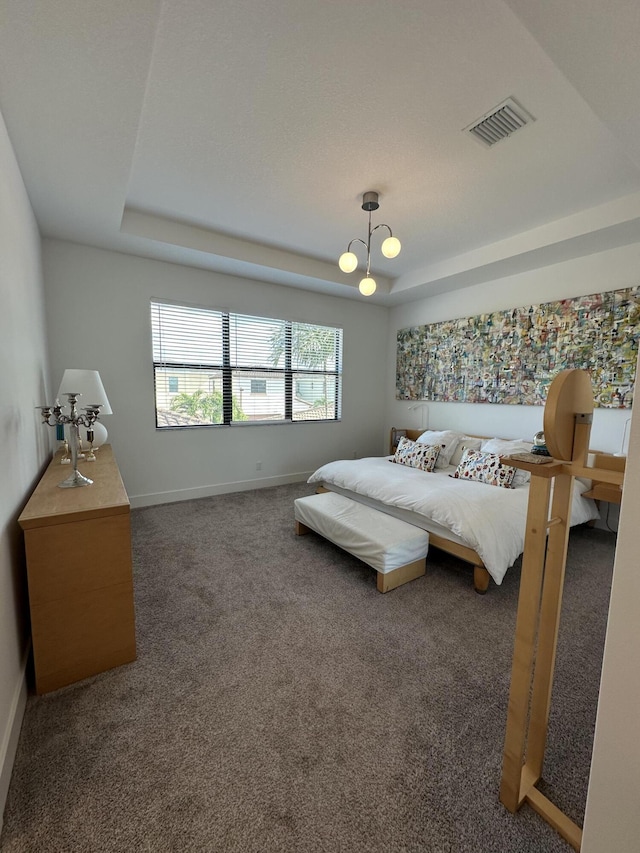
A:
390,247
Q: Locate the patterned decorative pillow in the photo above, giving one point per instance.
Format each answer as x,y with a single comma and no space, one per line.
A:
416,455
484,468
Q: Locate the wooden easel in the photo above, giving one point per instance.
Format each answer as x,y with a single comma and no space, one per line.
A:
567,428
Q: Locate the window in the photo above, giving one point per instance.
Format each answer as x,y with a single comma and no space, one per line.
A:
232,368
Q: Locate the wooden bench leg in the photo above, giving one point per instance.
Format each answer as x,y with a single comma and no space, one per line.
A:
301,529
387,581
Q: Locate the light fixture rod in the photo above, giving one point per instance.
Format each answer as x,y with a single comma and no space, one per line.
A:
369,241
383,225
356,240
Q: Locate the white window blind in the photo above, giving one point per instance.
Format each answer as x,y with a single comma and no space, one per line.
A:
207,362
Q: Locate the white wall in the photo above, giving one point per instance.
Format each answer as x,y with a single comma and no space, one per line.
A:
24,445
609,270
98,317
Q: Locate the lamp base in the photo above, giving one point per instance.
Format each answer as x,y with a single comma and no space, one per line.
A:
75,480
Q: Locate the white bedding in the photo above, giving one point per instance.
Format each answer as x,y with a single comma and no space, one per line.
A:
489,519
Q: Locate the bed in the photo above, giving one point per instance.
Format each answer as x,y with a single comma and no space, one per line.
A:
476,522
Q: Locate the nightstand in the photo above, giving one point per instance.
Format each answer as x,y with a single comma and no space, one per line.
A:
606,491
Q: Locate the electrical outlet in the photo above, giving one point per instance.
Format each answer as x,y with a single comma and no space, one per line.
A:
258,466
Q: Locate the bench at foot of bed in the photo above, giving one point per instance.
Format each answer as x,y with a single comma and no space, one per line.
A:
395,549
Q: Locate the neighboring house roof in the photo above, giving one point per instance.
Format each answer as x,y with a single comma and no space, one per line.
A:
315,413
169,418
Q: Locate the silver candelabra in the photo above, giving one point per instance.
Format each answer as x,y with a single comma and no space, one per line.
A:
53,416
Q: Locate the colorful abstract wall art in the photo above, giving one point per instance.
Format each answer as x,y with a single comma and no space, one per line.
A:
512,356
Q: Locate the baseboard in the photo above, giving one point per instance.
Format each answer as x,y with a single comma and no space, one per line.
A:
11,735
218,489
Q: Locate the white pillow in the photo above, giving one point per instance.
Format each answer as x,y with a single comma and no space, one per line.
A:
465,442
503,447
446,440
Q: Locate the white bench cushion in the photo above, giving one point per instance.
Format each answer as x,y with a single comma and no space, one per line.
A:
383,542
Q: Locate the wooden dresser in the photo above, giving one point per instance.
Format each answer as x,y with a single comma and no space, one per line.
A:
78,548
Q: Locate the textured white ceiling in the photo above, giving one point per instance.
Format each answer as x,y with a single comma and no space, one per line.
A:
240,136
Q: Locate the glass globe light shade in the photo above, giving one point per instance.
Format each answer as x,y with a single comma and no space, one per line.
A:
391,247
348,262
367,286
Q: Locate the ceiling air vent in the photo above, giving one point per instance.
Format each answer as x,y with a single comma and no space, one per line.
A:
500,123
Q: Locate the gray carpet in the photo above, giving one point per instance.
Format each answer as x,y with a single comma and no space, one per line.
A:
280,703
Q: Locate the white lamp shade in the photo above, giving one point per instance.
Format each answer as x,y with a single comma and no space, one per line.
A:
348,262
367,286
89,385
391,247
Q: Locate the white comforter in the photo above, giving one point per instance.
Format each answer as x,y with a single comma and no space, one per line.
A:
489,519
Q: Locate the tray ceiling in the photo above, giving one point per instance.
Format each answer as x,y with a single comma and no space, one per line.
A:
239,137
